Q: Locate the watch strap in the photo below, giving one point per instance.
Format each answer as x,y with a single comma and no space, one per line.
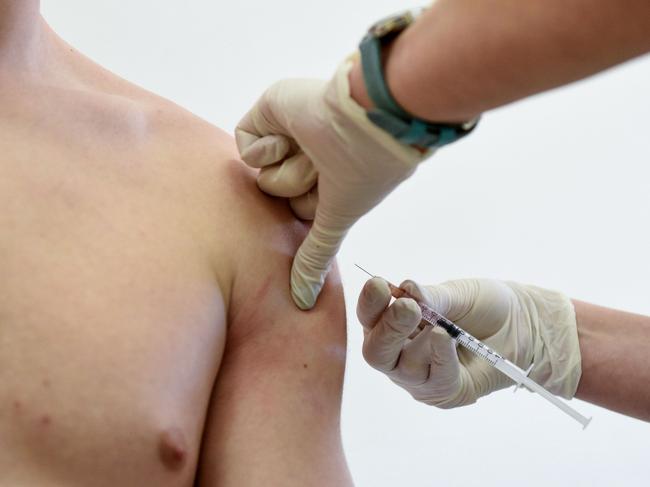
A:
389,115
373,75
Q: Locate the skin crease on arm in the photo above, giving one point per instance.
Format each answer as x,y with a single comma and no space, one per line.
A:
615,365
463,57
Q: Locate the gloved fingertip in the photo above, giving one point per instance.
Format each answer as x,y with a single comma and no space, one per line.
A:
302,301
304,293
375,290
244,139
263,151
305,287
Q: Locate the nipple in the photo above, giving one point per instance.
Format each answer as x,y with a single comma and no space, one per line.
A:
172,449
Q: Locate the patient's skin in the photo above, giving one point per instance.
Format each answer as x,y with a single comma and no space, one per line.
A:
132,252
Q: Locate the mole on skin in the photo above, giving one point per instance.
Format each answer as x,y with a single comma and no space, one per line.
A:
172,448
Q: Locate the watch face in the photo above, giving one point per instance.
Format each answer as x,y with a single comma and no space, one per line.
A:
394,23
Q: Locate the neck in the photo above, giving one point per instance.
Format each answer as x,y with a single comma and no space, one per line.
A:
21,34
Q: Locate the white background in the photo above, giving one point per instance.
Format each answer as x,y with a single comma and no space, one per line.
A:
553,191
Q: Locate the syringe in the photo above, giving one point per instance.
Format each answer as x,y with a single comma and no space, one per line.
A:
474,345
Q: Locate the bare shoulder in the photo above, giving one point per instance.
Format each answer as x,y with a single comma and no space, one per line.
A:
240,227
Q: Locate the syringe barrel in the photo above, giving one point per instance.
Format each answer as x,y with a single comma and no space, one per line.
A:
397,292
511,370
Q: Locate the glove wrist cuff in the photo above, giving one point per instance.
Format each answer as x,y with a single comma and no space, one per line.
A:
556,354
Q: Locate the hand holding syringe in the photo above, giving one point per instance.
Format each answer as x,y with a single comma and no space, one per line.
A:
522,322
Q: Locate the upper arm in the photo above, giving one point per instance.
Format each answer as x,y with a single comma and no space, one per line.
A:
274,416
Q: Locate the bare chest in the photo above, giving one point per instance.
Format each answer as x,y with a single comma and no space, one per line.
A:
111,326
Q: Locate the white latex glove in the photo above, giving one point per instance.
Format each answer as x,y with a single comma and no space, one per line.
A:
307,132
523,323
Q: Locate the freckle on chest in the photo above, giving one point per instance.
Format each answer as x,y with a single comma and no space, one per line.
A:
172,449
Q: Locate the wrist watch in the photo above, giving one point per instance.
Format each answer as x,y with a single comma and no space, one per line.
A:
388,115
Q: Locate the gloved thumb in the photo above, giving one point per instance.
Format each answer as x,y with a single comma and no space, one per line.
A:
261,138
313,259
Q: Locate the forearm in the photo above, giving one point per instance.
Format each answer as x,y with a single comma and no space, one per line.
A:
615,363
464,57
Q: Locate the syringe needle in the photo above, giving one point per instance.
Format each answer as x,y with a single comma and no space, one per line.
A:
371,275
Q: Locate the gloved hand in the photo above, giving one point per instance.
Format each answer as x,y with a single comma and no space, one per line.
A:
523,323
315,146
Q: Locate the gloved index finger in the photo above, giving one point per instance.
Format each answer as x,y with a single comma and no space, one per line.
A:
315,254
259,148
264,151
373,301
